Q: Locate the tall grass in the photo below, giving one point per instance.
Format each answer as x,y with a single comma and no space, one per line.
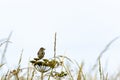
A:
60,67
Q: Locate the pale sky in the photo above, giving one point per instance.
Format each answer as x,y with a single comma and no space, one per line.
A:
84,28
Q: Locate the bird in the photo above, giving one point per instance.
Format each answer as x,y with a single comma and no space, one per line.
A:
41,53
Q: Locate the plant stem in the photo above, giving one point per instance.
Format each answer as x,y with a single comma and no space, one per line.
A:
41,76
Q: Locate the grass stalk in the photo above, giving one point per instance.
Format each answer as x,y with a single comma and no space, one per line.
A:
55,45
5,49
42,75
103,51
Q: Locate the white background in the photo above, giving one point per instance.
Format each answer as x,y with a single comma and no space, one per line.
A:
84,28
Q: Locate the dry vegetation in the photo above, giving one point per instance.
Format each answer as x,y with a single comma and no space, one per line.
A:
59,67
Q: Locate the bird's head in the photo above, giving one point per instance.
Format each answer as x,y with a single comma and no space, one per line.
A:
42,48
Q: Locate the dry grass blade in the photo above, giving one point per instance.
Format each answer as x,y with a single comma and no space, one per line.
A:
100,70
104,50
106,77
61,56
68,72
28,70
80,72
33,73
55,45
20,59
1,65
107,46
16,72
79,77
5,49
3,43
